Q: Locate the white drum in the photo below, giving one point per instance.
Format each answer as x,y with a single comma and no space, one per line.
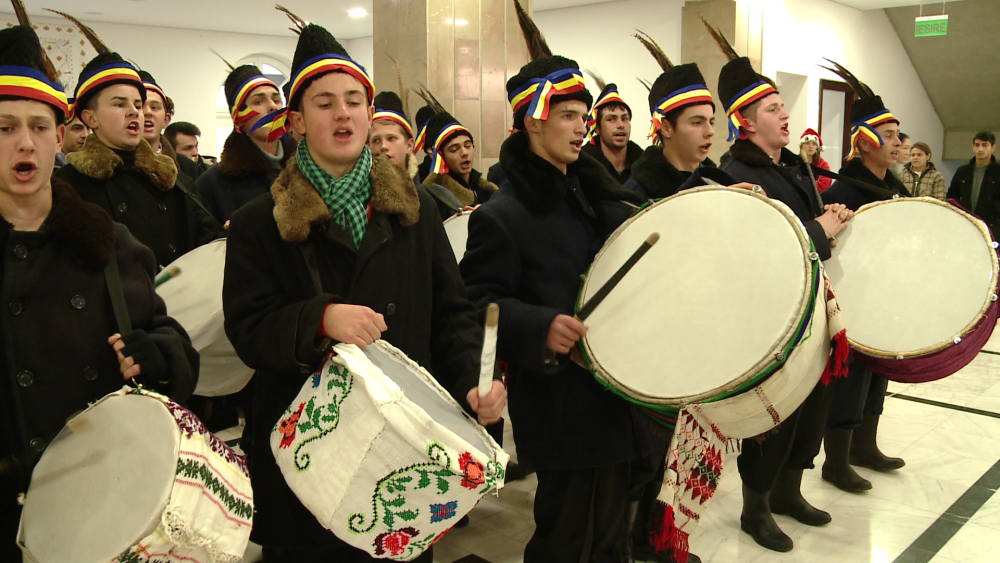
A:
136,477
194,299
381,454
457,228
912,275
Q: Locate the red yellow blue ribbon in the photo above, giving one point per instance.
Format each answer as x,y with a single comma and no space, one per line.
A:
150,87
438,164
694,94
537,93
748,96
241,113
610,97
421,140
99,76
26,82
865,129
393,117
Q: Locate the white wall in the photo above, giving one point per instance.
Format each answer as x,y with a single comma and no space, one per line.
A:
599,38
799,33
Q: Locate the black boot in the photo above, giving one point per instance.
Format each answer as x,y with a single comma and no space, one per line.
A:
836,470
646,553
757,521
864,448
786,499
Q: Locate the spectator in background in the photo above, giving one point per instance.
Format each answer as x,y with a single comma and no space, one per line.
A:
919,175
184,136
976,185
810,145
903,157
76,135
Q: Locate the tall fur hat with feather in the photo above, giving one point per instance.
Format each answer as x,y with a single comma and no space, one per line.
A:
546,80
867,112
609,95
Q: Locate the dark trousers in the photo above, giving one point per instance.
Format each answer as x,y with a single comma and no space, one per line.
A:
861,394
279,555
646,481
795,443
580,516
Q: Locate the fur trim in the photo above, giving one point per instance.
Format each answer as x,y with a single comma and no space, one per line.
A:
856,170
242,158
100,162
167,150
465,195
412,166
542,186
298,207
656,174
84,226
745,151
632,154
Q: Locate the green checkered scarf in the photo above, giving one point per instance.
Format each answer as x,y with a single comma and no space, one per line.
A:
346,197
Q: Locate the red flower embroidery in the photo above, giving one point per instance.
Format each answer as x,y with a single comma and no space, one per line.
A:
474,475
287,427
394,542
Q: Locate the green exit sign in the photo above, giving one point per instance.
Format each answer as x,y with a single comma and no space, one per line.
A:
930,26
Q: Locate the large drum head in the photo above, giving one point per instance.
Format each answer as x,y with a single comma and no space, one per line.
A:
911,276
103,483
709,306
457,228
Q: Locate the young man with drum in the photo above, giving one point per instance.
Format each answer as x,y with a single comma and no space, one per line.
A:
683,127
345,248
61,348
771,468
853,424
527,247
117,169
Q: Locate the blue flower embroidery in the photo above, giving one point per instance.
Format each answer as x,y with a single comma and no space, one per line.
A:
445,511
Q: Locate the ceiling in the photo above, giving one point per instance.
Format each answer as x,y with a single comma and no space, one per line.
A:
929,6
244,16
959,71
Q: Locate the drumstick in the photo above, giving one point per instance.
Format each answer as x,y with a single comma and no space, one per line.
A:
167,275
609,285
489,356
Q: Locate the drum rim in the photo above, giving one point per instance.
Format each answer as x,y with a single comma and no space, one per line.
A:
758,369
457,215
990,295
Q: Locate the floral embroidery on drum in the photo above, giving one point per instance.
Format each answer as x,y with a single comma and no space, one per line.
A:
394,542
288,425
474,475
441,512
316,418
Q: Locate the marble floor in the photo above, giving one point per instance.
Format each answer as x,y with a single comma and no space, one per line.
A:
940,508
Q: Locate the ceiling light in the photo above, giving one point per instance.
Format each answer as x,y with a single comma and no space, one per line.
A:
357,12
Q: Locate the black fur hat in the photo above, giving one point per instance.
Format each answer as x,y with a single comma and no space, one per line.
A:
538,69
236,78
97,62
736,76
313,42
424,115
388,100
19,46
438,122
677,78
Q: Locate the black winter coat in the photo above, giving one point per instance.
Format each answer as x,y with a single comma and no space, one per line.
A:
478,191
405,269
57,318
654,177
141,195
632,154
787,182
988,205
242,175
528,246
854,197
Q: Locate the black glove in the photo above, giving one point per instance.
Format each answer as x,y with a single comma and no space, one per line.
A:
153,366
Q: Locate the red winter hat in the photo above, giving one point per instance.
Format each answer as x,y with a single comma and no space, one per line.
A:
811,135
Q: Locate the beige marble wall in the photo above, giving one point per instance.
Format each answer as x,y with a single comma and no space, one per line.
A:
463,51
742,24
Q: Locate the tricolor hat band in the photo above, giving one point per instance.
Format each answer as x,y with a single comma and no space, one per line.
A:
418,143
537,93
240,111
609,97
150,87
688,96
26,82
391,116
103,75
331,63
748,96
865,129
438,164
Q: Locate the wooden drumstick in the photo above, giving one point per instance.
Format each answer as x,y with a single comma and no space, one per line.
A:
489,357
167,275
609,285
